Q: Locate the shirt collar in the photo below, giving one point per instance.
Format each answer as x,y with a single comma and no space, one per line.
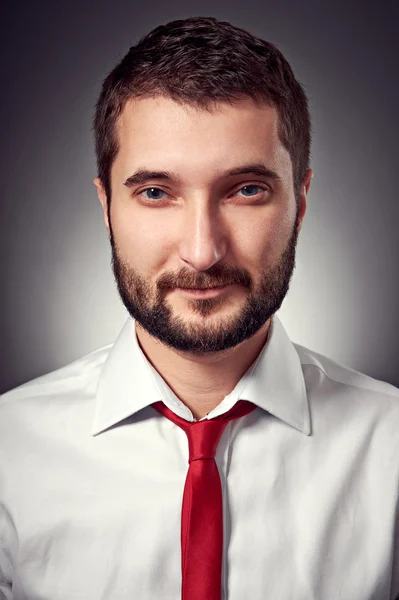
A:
275,384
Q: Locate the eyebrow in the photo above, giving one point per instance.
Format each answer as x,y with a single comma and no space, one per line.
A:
143,175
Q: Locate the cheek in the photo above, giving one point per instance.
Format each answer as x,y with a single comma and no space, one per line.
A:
262,240
142,242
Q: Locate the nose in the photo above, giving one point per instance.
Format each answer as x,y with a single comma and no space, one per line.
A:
203,240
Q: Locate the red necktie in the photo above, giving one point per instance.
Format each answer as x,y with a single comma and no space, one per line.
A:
202,510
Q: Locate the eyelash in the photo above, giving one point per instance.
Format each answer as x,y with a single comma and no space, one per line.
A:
161,200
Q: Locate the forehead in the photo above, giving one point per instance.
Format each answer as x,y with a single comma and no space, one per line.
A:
159,132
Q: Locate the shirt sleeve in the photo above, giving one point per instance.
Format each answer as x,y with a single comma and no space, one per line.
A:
395,566
5,567
5,583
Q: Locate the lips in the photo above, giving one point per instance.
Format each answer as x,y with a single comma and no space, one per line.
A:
204,293
214,287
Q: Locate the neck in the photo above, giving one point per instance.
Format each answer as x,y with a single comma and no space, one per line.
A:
202,382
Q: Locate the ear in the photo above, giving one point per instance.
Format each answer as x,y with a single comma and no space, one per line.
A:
102,196
303,195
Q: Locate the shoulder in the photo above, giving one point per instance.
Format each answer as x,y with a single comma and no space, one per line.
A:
343,395
69,381
338,373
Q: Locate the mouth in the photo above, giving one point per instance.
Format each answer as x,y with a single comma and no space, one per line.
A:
209,292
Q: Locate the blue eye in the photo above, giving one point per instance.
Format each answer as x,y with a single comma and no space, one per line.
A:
251,187
155,191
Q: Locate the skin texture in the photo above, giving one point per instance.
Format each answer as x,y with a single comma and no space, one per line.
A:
204,229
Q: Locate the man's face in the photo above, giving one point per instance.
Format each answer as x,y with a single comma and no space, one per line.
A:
198,226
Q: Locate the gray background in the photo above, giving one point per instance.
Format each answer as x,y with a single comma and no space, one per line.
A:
58,299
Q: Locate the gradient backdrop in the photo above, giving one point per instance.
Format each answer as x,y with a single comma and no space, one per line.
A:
58,299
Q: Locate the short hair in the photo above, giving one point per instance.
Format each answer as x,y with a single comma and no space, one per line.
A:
200,61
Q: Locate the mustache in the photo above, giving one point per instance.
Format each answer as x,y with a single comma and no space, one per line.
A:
216,276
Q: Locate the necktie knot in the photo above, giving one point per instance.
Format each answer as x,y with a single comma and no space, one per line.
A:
203,438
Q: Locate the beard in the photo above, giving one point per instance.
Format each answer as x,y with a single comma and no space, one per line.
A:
151,310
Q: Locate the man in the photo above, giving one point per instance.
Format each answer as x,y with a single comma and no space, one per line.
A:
111,486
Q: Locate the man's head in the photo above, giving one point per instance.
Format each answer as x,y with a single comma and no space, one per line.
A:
203,142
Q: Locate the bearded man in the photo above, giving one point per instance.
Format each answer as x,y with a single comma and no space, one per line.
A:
203,455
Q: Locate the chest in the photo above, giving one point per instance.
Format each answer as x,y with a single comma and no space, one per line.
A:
299,521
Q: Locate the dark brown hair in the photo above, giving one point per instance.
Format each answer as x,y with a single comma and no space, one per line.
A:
200,61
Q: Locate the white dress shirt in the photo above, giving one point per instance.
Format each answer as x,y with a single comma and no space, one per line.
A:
92,478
